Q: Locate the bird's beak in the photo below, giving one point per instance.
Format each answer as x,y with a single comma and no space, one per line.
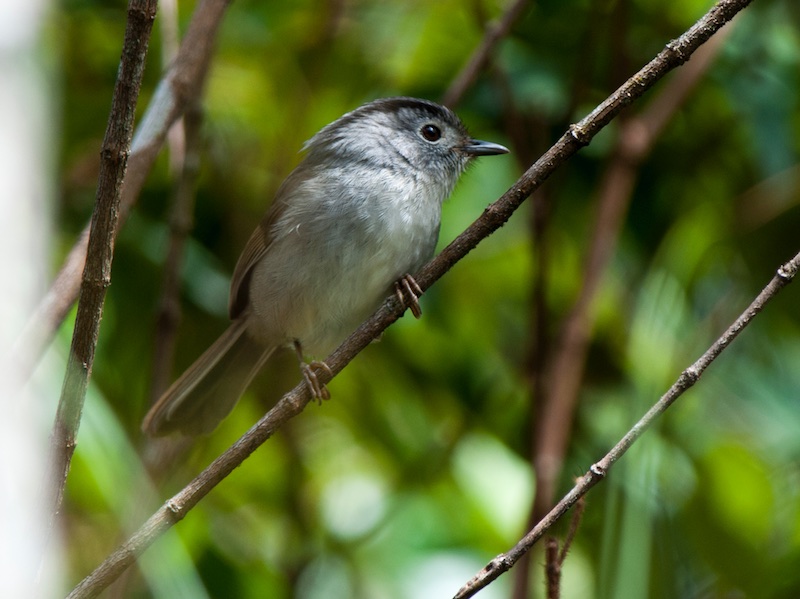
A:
476,147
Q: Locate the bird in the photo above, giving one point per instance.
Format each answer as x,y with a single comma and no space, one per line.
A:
349,225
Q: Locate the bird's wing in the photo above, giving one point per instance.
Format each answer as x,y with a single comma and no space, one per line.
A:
259,243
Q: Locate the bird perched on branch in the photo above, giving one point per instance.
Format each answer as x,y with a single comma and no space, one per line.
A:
347,226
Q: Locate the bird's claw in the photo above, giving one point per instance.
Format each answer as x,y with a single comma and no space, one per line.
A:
408,293
318,390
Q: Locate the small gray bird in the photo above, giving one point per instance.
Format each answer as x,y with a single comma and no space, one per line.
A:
347,226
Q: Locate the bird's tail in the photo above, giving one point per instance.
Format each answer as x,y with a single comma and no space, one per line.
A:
198,401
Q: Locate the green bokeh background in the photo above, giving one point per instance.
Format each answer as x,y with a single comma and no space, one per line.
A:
417,472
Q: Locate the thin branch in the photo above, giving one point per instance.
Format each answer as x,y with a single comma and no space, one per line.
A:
599,470
674,54
575,522
179,505
494,33
677,52
565,372
552,568
170,38
180,224
557,405
181,85
97,274
182,172
554,559
183,141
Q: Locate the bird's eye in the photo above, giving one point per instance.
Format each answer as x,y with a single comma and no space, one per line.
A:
431,132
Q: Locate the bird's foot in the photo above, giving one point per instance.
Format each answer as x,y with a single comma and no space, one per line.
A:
408,293
318,389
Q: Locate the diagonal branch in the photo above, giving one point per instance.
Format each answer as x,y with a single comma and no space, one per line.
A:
100,248
181,85
180,224
183,141
494,33
636,139
599,470
676,53
559,386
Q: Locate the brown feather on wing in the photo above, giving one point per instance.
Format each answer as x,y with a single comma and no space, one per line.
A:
254,250
240,283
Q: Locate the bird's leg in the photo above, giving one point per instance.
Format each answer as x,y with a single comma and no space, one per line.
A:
318,390
408,293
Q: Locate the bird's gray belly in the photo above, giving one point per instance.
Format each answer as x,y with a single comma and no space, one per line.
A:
332,272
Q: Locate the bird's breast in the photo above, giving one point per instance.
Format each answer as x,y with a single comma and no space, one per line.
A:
337,254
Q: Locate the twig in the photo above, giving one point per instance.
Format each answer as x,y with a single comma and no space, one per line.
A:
183,176
527,142
676,53
170,45
494,33
574,524
599,470
552,568
565,372
179,86
179,505
97,274
554,559
557,401
180,224
184,164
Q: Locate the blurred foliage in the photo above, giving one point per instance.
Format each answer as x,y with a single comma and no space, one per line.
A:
417,472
